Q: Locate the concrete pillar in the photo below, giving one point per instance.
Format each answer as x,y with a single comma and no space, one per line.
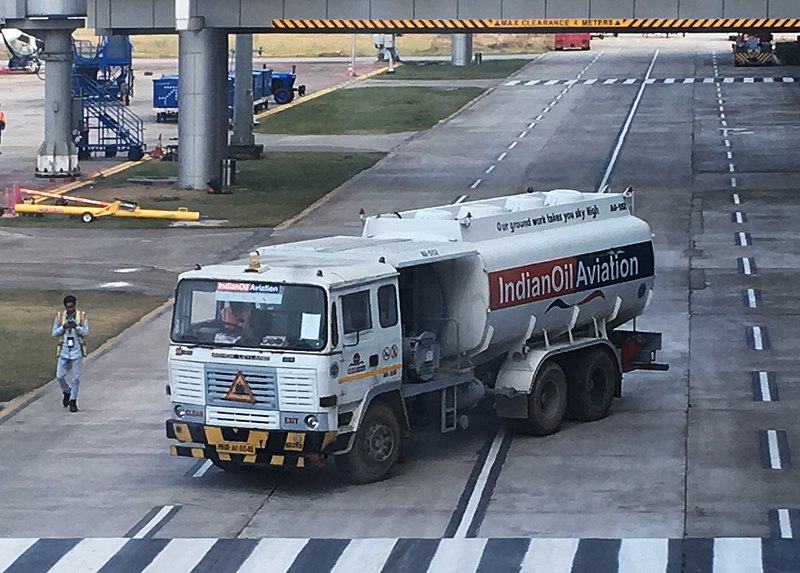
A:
202,56
57,156
222,117
243,99
461,49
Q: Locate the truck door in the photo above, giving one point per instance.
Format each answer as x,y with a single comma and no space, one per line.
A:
371,339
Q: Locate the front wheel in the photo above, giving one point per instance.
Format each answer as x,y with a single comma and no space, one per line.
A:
547,402
376,447
87,217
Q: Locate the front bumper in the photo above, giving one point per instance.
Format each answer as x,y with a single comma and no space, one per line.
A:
250,446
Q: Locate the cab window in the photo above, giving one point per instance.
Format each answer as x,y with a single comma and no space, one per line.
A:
356,312
387,306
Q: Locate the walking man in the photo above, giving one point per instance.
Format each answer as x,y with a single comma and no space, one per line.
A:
71,326
2,123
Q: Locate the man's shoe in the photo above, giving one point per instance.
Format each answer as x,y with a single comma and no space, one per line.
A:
65,400
73,405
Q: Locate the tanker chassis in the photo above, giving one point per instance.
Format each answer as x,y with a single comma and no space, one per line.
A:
332,346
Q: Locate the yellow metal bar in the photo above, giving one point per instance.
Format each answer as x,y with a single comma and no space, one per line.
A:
113,209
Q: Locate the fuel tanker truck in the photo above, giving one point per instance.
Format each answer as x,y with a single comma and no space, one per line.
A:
331,347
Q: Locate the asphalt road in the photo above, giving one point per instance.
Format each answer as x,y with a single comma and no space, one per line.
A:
691,469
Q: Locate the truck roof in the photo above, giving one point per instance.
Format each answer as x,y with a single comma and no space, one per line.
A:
396,240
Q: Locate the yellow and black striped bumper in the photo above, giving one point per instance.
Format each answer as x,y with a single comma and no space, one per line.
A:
757,59
249,446
539,25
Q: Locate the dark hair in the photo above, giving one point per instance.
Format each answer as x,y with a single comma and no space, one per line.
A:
69,298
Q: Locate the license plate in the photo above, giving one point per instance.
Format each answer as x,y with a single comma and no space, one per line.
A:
235,448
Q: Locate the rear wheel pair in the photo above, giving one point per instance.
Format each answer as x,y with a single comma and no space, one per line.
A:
583,390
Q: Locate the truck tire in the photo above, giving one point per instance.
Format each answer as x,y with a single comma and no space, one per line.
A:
283,95
376,446
592,381
547,403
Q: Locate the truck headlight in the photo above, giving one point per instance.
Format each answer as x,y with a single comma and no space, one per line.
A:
311,421
179,411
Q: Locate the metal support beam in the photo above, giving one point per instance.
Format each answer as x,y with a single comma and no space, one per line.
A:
461,49
243,96
202,59
57,156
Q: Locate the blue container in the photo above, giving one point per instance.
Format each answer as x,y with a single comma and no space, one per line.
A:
165,92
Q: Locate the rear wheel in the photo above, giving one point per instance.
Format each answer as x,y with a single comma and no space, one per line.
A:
283,95
592,381
546,403
87,217
376,447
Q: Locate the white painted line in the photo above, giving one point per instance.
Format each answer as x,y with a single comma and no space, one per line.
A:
747,271
513,83
688,80
749,80
708,80
650,81
736,200
462,555
88,556
743,240
788,80
11,549
273,555
130,270
532,82
785,524
531,125
627,126
539,117
722,116
727,143
643,556
727,81
763,381
551,82
362,555
769,80
733,182
722,108
201,471
629,81
502,156
157,518
590,82
739,217
550,555
731,167
118,284
729,154
547,109
523,134
758,344
477,182
558,97
774,452
180,556
669,81
491,168
477,492
733,555
513,145
570,83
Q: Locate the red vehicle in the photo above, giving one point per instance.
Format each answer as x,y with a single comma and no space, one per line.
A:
575,41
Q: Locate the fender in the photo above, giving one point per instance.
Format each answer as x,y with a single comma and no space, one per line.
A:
388,392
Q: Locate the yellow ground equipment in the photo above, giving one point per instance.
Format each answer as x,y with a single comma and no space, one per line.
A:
89,209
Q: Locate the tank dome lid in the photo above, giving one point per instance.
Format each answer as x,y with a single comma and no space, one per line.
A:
562,196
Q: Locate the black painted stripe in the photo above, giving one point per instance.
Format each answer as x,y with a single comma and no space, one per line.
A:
461,506
743,215
794,523
785,461
758,299
594,555
148,517
751,337
318,555
737,239
134,556
226,556
698,555
410,555
503,555
42,555
674,556
488,490
194,468
780,555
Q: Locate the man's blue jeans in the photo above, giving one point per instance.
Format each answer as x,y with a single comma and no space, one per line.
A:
74,365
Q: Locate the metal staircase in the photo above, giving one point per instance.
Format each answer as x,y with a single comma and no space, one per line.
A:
108,127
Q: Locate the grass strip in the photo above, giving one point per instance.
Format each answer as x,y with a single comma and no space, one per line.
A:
370,111
444,70
28,352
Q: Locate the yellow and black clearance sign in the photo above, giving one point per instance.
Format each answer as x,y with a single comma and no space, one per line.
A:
534,25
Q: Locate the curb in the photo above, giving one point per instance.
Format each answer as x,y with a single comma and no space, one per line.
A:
63,189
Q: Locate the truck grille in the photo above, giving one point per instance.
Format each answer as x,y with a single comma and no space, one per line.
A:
262,383
297,391
242,418
186,382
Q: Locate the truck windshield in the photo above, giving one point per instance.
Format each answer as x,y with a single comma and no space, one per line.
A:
248,314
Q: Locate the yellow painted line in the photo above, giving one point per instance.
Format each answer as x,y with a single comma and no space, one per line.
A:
61,190
322,92
368,373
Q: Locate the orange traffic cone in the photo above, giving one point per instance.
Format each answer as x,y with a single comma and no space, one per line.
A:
158,152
